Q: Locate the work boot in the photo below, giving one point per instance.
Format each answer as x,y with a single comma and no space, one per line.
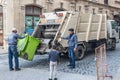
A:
11,69
68,65
50,79
72,67
55,78
17,69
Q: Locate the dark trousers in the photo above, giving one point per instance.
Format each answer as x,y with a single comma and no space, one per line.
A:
71,56
12,52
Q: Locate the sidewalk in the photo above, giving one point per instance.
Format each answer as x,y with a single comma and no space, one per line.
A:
38,74
3,51
117,75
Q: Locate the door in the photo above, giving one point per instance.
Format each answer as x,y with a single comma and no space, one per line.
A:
32,18
36,20
29,24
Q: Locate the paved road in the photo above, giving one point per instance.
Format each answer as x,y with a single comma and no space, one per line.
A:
2,51
85,69
38,74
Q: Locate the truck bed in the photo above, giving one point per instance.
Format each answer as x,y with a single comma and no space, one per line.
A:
87,27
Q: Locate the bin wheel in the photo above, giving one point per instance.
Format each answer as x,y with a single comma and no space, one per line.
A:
25,56
113,46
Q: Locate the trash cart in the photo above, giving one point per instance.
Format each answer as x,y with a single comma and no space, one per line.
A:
27,47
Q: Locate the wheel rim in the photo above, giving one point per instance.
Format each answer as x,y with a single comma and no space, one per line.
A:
114,44
80,52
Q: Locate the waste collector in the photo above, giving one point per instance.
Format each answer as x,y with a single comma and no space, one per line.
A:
72,47
12,50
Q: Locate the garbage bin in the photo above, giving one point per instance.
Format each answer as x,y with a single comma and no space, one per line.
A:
22,43
27,47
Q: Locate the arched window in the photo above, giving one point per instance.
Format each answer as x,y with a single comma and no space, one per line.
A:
32,17
1,26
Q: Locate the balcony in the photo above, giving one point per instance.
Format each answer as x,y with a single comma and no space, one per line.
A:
117,1
106,2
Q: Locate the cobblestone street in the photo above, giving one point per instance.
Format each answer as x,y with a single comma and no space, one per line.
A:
88,29
39,66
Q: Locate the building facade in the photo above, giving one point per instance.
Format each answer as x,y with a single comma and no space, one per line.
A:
24,14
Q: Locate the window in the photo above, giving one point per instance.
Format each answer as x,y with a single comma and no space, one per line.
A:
50,0
93,0
105,1
35,1
114,25
33,10
1,10
36,11
93,10
106,12
1,22
86,8
1,18
32,18
29,10
112,12
1,26
79,8
100,10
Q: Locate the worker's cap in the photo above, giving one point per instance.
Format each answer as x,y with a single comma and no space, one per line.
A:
71,29
14,29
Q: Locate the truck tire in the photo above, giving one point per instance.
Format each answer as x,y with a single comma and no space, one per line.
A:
113,45
80,52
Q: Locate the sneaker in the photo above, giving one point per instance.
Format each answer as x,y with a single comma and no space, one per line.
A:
49,79
55,78
17,69
11,69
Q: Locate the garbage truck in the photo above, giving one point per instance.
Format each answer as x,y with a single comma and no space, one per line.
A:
91,30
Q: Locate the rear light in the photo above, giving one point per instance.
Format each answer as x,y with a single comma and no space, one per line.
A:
60,14
42,16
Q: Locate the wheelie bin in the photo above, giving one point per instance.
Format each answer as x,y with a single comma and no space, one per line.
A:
27,47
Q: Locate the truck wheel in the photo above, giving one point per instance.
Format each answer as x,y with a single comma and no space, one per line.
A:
113,46
80,52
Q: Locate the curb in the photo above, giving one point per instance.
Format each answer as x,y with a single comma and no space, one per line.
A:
2,51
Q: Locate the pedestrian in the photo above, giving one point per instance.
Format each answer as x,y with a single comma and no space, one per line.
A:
72,47
12,50
53,62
